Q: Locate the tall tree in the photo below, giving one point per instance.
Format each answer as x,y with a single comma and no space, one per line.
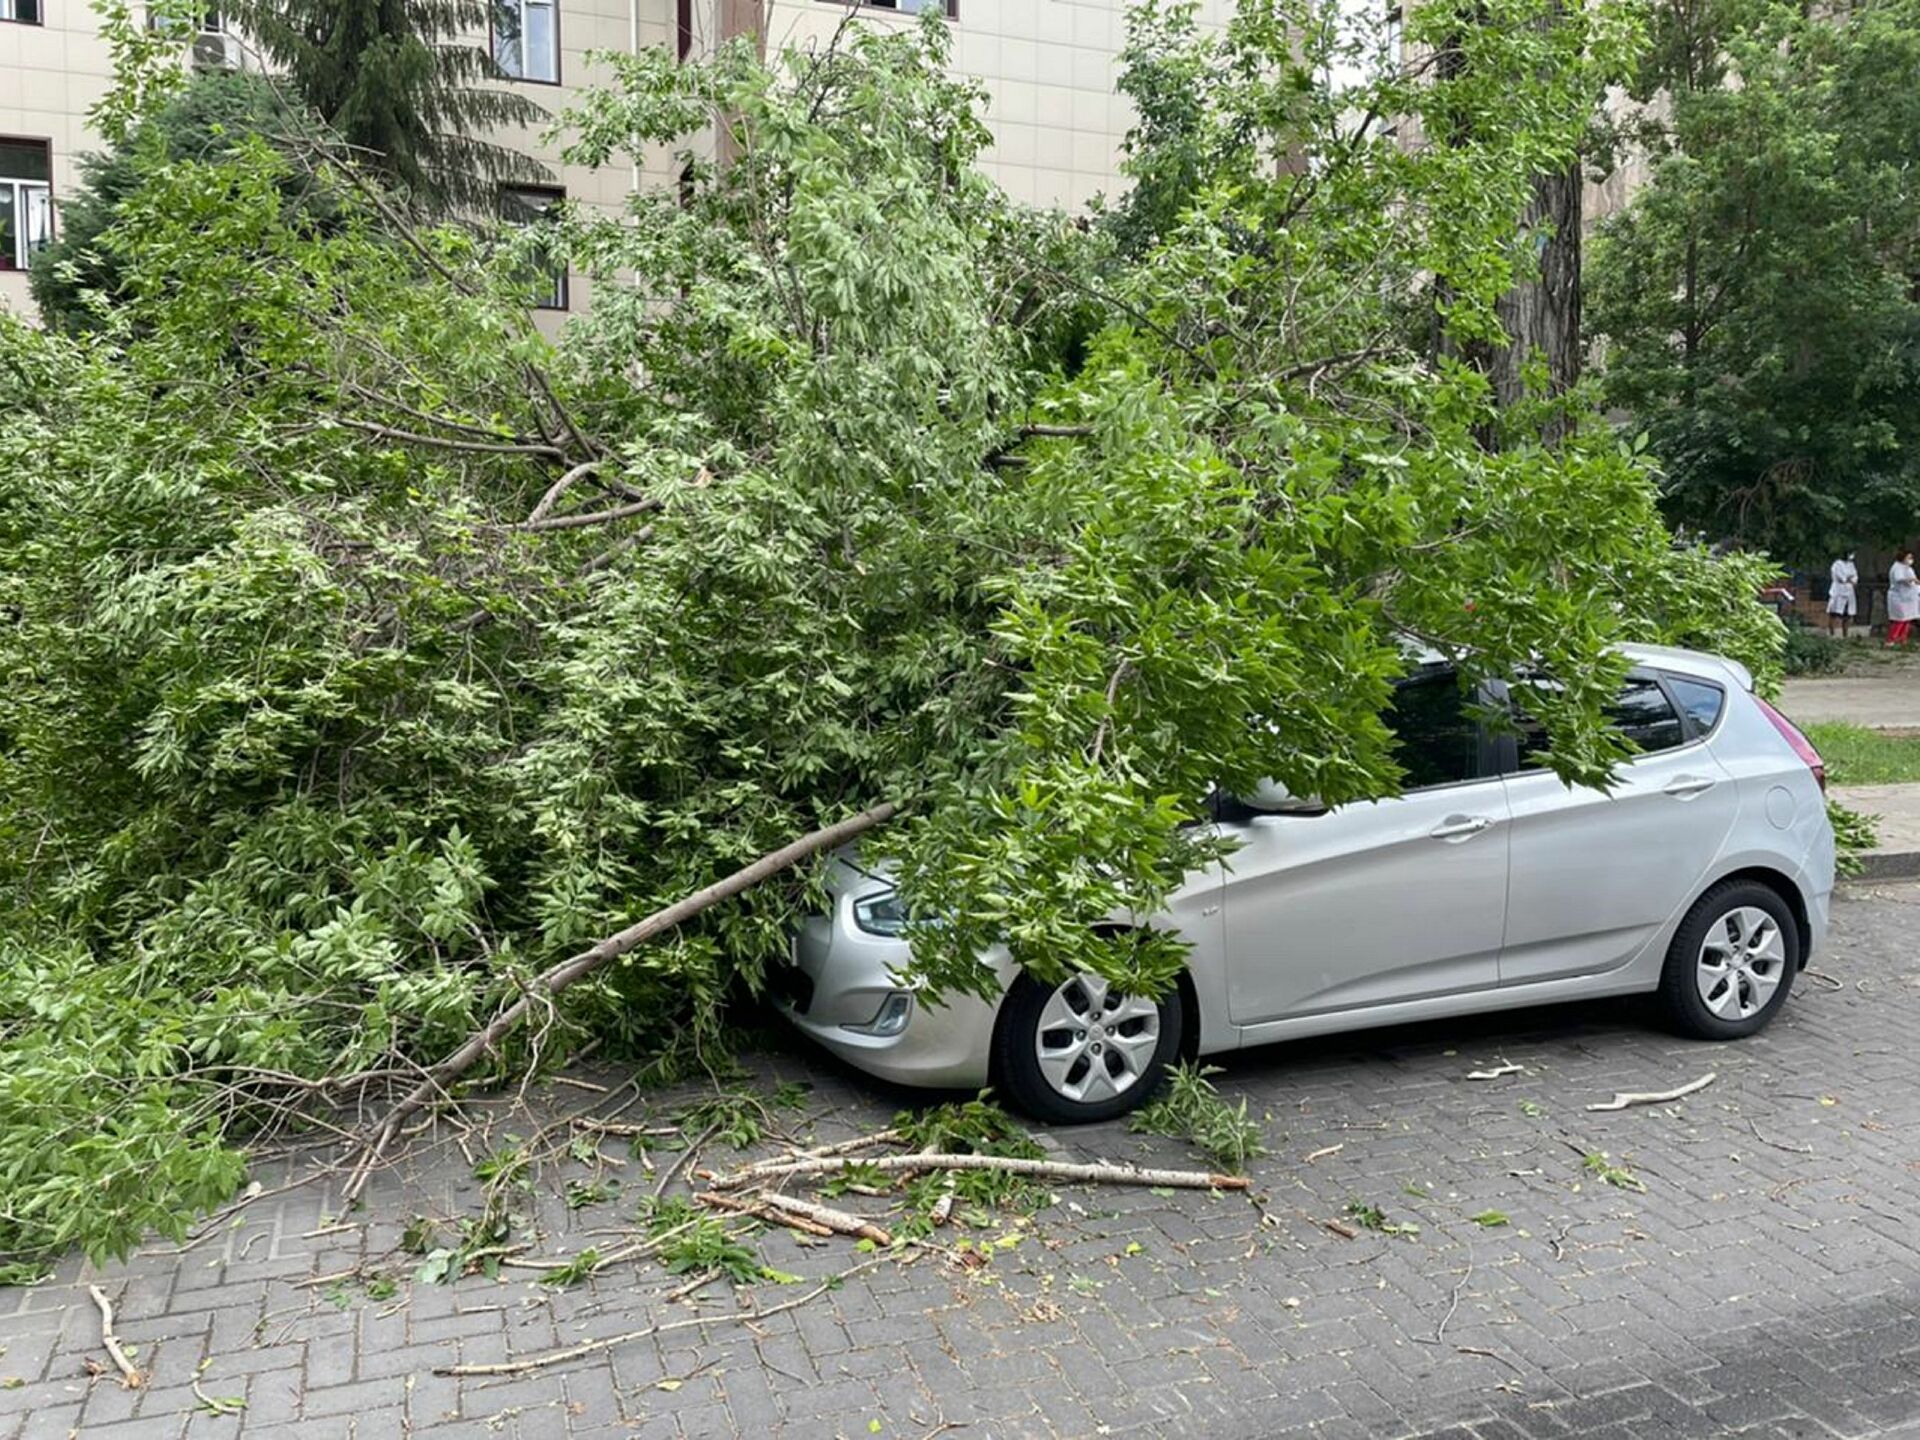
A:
1757,300
402,81
367,653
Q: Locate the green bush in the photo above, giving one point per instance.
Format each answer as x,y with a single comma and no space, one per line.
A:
1811,653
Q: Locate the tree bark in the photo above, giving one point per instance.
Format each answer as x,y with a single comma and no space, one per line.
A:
1542,314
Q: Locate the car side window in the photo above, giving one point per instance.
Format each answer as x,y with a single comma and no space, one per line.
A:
1701,702
1437,740
1642,713
1646,717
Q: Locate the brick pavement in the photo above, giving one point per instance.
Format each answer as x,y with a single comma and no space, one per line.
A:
1767,1282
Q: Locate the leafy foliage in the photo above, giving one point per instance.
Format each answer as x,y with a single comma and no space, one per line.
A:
1191,1109
208,116
1756,298
365,652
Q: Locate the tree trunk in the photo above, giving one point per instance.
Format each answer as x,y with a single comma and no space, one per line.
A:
1542,314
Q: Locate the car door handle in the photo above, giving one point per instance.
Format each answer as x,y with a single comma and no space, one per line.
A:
1459,827
1685,787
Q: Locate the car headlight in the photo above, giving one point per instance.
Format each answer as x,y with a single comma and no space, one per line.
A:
883,915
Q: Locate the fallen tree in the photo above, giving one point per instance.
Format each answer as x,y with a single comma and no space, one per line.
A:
372,662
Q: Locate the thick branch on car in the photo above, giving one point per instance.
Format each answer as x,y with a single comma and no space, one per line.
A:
438,1080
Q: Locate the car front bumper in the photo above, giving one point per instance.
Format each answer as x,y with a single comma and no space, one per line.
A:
840,976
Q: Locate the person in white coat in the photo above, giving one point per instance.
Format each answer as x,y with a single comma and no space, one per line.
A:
1842,589
1903,599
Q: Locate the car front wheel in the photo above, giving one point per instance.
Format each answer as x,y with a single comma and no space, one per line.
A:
1081,1051
1731,963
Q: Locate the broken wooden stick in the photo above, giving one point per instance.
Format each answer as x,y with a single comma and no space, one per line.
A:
734,1205
1062,1171
840,1222
1623,1098
611,1342
130,1375
1505,1067
437,1080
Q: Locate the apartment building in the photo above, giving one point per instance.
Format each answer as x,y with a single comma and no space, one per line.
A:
1048,67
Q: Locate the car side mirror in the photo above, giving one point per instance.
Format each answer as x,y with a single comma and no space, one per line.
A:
1269,797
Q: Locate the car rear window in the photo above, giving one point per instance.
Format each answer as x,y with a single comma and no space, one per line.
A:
1701,701
1646,717
1643,714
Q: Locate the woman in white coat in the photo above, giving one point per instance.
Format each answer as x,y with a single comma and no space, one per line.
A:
1842,605
1903,599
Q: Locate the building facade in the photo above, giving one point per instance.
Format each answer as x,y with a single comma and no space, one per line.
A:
1048,66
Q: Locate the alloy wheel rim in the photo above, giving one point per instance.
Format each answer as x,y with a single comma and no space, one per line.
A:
1093,1042
1741,962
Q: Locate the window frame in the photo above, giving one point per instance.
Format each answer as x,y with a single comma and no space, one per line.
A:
493,45
39,14
953,8
21,187
561,295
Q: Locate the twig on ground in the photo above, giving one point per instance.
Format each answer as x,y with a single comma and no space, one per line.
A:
1622,1099
217,1404
1064,1172
1779,1144
1325,1150
700,1281
1505,1067
668,1175
613,1342
130,1375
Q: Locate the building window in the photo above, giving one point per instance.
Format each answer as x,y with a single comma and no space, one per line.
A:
906,7
26,201
526,39
21,12
683,27
546,274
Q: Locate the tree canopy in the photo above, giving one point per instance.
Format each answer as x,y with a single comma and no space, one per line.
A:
1757,300
366,651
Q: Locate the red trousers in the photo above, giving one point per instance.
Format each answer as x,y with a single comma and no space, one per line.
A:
1898,631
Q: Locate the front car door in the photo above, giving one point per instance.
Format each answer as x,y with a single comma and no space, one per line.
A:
1382,901
1596,874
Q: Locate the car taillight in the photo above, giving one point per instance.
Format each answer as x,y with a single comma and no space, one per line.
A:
1802,746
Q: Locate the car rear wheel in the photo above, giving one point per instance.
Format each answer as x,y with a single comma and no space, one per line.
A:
1731,963
1082,1051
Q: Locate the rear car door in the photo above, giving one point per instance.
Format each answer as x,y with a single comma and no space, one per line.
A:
1377,902
1596,874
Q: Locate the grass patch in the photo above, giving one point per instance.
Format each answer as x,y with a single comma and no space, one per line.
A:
1856,755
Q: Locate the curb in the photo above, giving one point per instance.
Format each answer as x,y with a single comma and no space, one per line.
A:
1888,865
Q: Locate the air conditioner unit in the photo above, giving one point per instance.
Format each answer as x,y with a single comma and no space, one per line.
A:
218,52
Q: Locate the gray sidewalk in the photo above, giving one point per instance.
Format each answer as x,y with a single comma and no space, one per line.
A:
1879,702
1766,1282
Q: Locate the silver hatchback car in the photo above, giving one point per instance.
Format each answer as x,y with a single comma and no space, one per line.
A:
1704,876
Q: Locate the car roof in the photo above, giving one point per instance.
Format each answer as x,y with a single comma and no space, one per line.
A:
1717,668
1689,662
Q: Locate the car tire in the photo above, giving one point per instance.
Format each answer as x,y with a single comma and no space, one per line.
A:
1077,1053
1732,962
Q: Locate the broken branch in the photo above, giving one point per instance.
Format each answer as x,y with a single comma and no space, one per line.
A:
1037,1169
1622,1099
130,1376
571,971
611,1342
840,1222
733,1205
